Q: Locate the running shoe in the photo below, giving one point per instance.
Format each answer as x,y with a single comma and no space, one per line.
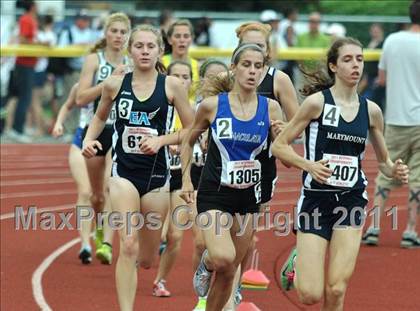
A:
371,237
410,239
162,247
85,255
202,278
287,273
99,237
104,254
237,298
159,289
201,304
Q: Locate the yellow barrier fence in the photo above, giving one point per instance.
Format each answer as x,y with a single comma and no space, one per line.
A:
197,52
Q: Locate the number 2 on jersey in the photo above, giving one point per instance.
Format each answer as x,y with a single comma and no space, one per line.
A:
224,128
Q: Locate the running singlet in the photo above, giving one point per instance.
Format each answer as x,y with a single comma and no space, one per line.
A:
233,146
136,119
105,69
342,143
268,161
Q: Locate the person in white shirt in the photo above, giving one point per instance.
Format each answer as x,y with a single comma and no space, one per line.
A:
78,34
399,69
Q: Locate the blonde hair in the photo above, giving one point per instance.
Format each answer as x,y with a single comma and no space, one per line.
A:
116,17
149,28
265,29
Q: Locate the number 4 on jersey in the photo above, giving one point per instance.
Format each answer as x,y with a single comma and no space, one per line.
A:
331,115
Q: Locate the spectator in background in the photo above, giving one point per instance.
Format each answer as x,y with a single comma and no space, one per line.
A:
202,32
368,87
78,34
46,36
399,69
311,39
165,21
270,17
180,36
24,72
287,38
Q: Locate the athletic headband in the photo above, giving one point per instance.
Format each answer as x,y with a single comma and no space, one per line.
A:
242,47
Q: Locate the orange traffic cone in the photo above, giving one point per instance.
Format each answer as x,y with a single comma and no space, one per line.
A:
254,278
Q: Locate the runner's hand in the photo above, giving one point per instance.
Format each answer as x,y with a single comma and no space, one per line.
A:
90,148
320,171
187,192
400,171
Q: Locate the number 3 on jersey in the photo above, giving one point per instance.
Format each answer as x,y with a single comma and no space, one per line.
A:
224,128
331,115
124,108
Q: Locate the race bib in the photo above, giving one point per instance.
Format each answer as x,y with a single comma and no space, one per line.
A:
112,116
243,174
175,162
133,135
345,170
199,158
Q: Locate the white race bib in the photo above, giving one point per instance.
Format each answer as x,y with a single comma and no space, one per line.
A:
345,170
175,162
112,115
242,174
199,158
132,136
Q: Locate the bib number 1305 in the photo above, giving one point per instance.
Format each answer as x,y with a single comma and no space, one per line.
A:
242,174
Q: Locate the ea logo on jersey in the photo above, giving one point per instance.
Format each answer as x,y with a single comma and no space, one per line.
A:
141,117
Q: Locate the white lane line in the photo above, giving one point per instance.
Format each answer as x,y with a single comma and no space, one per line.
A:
37,275
39,210
22,182
35,194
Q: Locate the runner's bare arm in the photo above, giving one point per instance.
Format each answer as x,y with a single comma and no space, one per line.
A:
392,170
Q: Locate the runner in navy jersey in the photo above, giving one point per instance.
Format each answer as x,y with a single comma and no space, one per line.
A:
106,55
239,125
331,211
144,104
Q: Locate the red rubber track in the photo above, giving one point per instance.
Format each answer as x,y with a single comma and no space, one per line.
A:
386,277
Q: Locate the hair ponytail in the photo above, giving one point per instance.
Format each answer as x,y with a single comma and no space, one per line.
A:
99,45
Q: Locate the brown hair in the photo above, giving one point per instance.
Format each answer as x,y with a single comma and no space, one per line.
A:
265,29
146,27
181,22
323,78
224,83
116,17
179,62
